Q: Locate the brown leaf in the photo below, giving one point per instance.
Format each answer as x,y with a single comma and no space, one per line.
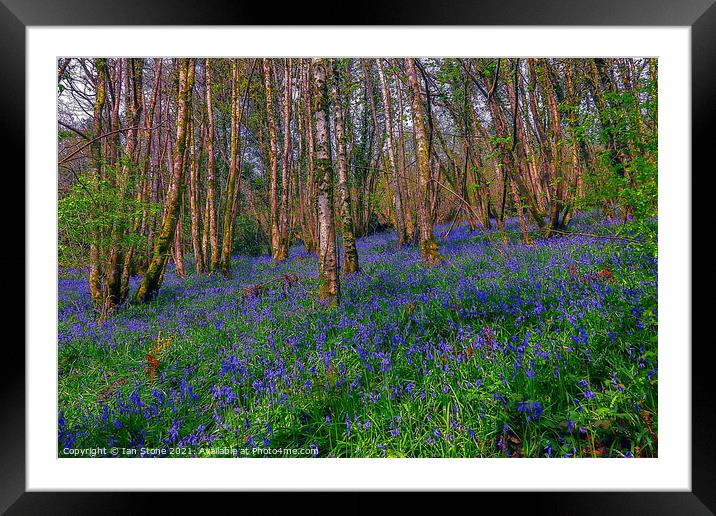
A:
109,391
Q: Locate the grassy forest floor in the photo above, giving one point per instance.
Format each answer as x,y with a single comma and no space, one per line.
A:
498,351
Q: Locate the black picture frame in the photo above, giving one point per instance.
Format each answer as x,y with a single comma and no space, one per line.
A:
700,15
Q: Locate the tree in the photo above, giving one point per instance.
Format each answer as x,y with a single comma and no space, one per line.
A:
152,279
329,286
285,176
210,172
273,155
233,182
194,192
537,140
397,194
350,252
428,246
95,278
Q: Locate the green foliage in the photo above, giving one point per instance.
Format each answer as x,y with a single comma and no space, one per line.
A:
95,208
451,75
625,181
249,239
64,134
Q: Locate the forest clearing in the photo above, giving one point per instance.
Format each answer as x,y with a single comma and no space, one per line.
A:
434,257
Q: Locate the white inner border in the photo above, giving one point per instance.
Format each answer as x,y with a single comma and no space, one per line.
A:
671,470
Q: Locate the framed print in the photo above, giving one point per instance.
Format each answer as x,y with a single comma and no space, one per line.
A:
447,251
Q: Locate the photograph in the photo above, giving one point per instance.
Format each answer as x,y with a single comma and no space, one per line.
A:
357,257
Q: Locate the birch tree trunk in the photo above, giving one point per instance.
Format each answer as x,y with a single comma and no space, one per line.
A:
409,209
397,194
310,240
329,287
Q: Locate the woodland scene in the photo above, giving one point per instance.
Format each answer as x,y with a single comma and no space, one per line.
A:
357,257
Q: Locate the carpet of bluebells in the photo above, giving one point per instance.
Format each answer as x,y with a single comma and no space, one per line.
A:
500,351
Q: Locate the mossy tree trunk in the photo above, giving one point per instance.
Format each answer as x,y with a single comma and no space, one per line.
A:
273,155
143,195
210,172
234,171
125,179
302,191
555,141
575,180
194,199
95,279
178,245
285,176
152,279
350,252
409,209
428,246
329,287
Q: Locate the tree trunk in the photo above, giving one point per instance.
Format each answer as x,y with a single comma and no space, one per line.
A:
273,155
312,219
558,182
397,194
152,279
125,178
95,279
234,147
349,242
329,287
144,142
194,198
409,209
210,177
177,247
283,217
428,246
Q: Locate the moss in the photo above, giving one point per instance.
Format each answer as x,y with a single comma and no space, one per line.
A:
429,250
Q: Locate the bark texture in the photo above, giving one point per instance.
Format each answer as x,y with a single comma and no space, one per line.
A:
350,252
152,279
329,287
428,246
